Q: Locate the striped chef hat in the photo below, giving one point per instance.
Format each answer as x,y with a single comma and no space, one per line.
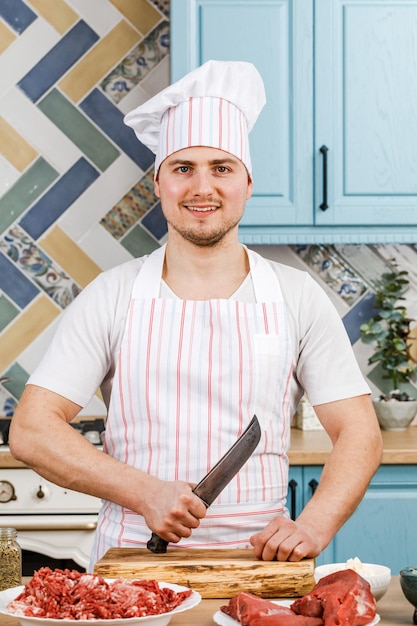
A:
215,105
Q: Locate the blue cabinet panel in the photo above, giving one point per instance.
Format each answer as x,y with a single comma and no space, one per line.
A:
276,36
338,73
382,528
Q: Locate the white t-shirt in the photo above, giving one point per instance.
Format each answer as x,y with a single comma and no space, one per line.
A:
82,356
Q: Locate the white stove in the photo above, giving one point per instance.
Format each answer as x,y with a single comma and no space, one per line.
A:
50,520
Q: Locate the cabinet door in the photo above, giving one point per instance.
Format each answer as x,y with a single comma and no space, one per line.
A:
382,528
275,35
366,111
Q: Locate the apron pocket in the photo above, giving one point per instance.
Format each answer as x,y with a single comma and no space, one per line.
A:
270,369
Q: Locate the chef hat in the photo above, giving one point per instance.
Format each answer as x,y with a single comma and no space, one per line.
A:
215,105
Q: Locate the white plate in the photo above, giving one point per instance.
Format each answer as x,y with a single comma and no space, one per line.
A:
225,620
8,595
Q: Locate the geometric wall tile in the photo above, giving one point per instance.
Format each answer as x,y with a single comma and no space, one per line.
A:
17,14
7,37
139,242
18,378
154,222
7,312
100,60
22,331
30,186
70,256
131,208
110,120
35,264
79,129
56,12
359,314
14,147
17,287
140,13
61,195
138,64
58,60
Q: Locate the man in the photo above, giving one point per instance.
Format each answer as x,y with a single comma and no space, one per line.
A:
188,343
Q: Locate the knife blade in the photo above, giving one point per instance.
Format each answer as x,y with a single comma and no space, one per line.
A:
220,475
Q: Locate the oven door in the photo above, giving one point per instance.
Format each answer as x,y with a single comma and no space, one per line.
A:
56,536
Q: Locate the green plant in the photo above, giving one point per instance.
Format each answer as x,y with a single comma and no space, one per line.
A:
389,329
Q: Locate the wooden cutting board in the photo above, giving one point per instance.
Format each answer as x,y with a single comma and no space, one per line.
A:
213,573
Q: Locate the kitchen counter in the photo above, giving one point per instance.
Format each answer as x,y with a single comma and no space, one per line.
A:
311,447
393,608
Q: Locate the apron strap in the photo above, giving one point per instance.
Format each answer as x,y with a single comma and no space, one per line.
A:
265,281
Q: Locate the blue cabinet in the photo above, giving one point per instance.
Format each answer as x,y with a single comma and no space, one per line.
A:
382,528
341,82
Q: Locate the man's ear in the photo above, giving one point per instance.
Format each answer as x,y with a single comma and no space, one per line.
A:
250,187
156,188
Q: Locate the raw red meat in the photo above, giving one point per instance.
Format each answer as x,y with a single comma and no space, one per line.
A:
68,594
343,598
287,620
251,610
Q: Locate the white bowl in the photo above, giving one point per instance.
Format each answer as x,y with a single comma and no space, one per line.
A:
378,576
162,619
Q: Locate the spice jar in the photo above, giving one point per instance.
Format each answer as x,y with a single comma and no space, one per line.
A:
10,559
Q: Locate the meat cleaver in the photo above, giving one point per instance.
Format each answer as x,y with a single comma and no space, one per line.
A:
220,475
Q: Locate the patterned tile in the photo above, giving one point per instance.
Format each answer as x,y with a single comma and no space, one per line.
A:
53,204
58,61
331,268
79,129
137,65
98,61
36,265
17,14
131,207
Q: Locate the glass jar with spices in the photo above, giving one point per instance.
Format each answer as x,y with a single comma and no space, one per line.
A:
10,559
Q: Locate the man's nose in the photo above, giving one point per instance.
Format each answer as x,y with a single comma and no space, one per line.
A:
202,183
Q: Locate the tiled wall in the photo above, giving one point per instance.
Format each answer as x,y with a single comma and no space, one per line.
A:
76,193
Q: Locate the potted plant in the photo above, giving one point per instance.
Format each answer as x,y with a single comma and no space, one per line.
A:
389,332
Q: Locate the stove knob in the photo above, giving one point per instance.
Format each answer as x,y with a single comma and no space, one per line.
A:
41,493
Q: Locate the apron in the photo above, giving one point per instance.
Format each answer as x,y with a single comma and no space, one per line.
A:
190,376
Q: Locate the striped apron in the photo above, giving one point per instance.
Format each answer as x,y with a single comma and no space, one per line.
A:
190,375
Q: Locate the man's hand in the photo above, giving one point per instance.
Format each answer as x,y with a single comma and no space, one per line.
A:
172,510
284,540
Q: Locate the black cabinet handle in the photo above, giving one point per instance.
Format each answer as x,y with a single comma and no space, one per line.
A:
293,488
313,484
324,150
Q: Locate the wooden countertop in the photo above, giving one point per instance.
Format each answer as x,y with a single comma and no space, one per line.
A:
393,609
311,447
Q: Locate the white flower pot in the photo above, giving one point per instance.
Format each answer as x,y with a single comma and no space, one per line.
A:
395,414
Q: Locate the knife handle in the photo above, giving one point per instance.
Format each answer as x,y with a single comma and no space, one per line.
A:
156,544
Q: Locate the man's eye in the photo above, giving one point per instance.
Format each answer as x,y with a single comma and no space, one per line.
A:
183,169
221,169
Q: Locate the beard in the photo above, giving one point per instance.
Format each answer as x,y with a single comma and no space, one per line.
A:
202,238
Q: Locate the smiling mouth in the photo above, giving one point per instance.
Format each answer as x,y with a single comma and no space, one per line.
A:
201,209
